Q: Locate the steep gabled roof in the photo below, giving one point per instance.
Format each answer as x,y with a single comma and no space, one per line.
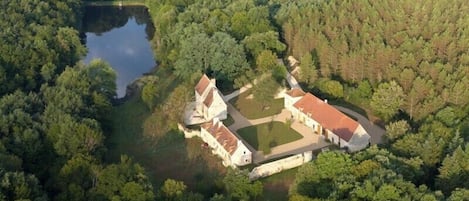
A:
223,135
209,99
296,92
329,117
202,85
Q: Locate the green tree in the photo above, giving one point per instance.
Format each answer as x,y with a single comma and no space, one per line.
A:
218,197
150,91
364,89
265,90
194,56
387,99
332,88
239,187
70,137
122,181
454,171
219,54
397,129
258,42
102,78
172,190
21,130
37,47
449,116
308,70
76,178
317,179
459,194
266,61
70,45
384,184
227,57
20,186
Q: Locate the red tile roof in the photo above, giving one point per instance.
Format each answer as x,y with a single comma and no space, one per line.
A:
329,117
224,136
296,92
202,85
209,99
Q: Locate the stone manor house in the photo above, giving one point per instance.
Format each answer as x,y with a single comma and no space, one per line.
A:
209,109
325,120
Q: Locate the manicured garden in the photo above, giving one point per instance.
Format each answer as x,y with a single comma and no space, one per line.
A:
252,109
265,136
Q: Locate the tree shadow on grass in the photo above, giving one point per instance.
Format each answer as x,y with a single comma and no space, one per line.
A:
249,134
187,160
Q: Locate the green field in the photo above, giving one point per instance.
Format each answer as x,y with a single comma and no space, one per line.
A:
252,109
170,156
265,136
276,186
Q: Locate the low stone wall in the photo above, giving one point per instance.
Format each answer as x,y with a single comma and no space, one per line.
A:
187,132
280,165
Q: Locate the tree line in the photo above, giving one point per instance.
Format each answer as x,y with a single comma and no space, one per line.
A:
407,62
53,111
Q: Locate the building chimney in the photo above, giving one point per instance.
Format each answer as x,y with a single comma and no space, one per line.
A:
325,100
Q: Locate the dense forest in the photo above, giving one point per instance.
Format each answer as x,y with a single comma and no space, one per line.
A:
406,62
53,111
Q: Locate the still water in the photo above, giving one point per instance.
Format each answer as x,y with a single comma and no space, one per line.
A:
120,36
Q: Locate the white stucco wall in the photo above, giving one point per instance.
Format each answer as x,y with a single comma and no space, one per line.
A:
197,96
333,137
188,133
289,101
359,140
218,109
242,156
217,149
344,144
277,166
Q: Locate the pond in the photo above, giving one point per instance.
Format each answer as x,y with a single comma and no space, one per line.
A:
120,36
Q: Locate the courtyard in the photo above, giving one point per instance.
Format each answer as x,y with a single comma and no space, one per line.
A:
265,136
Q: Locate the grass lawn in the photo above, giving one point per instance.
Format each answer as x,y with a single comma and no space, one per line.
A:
167,155
276,186
265,136
171,156
252,109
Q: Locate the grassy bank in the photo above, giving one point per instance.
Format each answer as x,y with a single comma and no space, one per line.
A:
169,156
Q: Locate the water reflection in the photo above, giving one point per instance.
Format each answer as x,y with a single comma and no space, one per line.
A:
120,36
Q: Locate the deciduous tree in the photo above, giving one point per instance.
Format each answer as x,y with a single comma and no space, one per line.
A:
239,187
387,99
